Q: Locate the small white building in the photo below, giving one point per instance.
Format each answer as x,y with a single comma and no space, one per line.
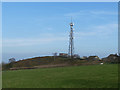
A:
101,63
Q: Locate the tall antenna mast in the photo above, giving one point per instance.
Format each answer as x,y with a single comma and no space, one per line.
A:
71,44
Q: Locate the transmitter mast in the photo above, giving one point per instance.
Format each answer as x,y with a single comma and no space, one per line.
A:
71,43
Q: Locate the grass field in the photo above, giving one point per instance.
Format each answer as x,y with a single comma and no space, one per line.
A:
93,76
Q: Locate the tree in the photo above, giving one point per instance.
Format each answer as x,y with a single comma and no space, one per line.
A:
76,56
55,54
11,60
6,66
118,54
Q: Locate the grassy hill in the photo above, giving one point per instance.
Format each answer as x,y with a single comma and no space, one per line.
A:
48,61
92,76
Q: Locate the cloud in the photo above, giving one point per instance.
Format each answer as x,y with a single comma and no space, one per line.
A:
101,30
85,12
104,12
49,28
30,41
75,13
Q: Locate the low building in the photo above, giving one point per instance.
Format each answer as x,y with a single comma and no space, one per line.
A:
112,58
63,54
76,56
84,57
93,58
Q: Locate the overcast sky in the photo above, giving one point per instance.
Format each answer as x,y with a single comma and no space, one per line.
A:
39,29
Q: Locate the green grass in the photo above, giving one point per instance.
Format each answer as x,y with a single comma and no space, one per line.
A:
93,76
